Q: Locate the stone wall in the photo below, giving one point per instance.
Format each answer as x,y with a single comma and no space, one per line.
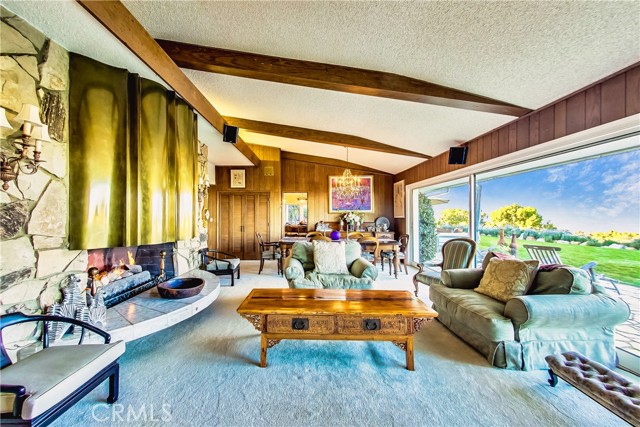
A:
34,258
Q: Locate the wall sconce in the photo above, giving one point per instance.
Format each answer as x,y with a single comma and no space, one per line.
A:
32,128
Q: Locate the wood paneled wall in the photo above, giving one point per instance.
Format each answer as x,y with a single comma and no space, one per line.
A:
256,181
300,176
610,99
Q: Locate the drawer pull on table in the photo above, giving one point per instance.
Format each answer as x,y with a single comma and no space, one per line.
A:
371,324
299,324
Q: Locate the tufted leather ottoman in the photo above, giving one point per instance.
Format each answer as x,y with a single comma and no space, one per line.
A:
613,391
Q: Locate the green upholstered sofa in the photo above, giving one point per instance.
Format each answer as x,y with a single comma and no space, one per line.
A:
299,269
562,311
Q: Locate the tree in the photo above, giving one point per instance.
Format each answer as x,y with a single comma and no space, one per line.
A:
293,214
454,217
428,238
517,216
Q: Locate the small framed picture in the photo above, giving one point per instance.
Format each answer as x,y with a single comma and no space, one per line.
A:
398,199
237,178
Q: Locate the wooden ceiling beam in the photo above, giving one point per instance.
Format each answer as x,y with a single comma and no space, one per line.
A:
330,77
319,136
288,155
122,24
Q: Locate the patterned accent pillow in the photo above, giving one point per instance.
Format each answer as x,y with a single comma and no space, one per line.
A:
507,278
329,257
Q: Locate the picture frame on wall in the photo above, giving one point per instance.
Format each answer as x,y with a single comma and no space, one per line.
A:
398,199
363,202
237,178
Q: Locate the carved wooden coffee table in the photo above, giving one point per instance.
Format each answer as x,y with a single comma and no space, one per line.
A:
332,314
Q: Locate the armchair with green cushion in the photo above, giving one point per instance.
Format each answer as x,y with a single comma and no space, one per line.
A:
300,269
456,253
561,311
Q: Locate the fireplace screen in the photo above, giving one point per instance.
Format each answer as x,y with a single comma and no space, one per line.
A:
124,272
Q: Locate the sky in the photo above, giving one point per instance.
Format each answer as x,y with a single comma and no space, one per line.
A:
600,194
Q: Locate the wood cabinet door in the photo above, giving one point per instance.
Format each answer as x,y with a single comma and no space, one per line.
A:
239,217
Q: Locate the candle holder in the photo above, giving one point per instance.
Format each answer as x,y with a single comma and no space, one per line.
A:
32,128
163,254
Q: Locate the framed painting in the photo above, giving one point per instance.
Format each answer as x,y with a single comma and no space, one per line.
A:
362,202
237,178
398,199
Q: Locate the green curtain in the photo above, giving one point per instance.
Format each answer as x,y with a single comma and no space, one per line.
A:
139,186
186,170
97,154
155,163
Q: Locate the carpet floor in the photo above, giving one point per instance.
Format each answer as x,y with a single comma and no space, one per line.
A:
203,372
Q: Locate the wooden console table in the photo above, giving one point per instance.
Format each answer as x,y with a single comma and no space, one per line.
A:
335,314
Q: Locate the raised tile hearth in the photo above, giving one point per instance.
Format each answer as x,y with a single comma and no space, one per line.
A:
147,312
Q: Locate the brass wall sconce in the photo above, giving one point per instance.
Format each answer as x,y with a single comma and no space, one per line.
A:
32,128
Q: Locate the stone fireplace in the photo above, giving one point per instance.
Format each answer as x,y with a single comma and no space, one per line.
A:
34,212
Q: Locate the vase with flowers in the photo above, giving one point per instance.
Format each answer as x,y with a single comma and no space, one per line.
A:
351,219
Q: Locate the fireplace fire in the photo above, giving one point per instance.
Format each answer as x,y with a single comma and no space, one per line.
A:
125,272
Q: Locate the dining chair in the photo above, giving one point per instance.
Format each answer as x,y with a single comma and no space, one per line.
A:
404,244
319,237
313,233
369,246
355,235
269,251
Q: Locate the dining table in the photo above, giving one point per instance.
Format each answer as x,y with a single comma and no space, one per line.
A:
286,243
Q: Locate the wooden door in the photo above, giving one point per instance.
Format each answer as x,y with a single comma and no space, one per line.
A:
239,217
230,223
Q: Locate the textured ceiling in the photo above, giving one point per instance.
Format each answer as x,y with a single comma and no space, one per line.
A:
524,53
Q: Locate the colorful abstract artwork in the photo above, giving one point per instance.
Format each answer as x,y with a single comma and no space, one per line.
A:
362,202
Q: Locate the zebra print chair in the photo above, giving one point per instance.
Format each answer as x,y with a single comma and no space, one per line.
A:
456,253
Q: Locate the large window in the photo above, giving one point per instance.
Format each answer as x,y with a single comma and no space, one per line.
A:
590,209
443,213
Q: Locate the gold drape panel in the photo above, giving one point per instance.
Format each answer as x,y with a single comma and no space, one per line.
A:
132,160
97,172
155,146
186,170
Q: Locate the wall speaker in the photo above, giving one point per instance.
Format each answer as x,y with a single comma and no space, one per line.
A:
230,134
457,155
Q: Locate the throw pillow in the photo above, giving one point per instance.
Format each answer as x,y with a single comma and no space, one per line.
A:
329,257
506,278
561,281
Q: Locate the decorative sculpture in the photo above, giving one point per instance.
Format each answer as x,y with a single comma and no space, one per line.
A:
88,309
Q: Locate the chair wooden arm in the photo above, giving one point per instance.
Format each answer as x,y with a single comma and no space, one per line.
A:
216,254
16,318
21,393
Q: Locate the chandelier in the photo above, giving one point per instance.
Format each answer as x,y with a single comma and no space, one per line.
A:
348,186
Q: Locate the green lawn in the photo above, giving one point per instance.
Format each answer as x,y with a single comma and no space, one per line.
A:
620,264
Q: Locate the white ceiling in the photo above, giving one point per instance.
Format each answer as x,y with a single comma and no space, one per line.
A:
76,30
525,53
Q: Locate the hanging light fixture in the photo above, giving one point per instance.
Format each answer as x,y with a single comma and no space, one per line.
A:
348,186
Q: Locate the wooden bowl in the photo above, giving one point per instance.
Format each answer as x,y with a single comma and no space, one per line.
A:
180,288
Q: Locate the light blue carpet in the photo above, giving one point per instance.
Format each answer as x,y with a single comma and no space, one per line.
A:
204,371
